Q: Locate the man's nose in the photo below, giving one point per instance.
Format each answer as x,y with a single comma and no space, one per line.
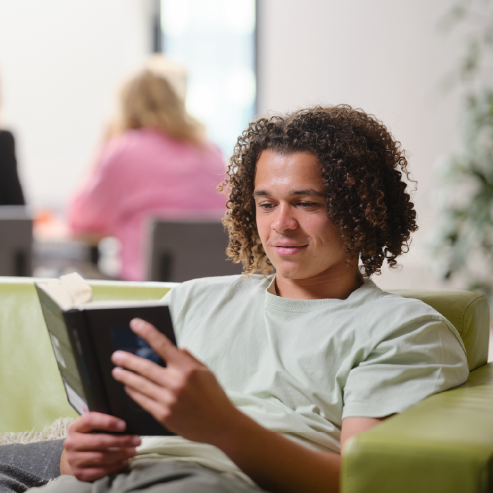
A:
284,219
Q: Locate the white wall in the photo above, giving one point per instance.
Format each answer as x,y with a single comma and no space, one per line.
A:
383,56
60,63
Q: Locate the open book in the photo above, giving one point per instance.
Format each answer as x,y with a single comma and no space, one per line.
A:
84,334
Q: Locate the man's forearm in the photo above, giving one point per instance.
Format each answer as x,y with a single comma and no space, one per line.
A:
277,463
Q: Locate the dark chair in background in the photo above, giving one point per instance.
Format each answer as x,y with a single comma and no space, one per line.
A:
184,250
16,239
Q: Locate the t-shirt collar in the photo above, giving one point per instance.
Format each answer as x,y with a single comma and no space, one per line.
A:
275,301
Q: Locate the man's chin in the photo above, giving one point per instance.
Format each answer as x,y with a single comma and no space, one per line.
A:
290,272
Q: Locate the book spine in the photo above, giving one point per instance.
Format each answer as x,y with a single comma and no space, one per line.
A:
86,360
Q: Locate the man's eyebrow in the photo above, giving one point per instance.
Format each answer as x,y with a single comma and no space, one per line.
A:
259,193
306,191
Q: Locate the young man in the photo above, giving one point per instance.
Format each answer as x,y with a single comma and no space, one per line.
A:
274,372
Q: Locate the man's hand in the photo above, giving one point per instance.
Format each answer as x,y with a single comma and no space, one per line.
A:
187,399
90,456
185,396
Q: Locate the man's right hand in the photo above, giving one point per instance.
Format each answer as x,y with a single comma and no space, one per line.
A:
90,456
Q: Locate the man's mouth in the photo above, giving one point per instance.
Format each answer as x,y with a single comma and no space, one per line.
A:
288,249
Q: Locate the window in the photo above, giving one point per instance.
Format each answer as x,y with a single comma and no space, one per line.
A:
215,40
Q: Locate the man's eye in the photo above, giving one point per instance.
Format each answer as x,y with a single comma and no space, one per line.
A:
307,204
266,206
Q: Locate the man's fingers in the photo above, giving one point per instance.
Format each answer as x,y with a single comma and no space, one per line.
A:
160,412
192,357
158,341
96,459
151,383
94,473
97,421
141,366
157,392
99,442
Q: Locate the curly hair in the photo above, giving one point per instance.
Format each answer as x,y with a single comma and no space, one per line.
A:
362,172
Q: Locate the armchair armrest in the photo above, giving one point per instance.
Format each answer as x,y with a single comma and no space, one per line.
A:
443,444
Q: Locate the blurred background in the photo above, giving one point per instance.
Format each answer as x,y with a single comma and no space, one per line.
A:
423,68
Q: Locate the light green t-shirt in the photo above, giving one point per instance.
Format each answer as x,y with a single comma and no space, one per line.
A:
300,366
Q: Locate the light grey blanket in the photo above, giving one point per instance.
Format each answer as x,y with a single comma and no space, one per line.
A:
24,466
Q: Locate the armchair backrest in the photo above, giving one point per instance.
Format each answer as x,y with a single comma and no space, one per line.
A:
468,312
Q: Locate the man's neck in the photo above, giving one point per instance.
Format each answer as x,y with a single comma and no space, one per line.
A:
322,286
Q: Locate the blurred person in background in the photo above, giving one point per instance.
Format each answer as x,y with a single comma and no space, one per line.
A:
156,161
10,186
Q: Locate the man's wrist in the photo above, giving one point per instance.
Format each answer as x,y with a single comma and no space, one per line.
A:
233,432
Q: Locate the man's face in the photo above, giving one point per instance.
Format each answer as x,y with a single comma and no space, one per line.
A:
298,237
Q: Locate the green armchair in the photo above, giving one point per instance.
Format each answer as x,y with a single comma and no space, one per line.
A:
443,444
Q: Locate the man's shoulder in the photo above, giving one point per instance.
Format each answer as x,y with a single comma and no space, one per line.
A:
386,301
388,322
387,312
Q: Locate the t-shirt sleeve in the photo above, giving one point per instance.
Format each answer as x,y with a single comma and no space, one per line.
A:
416,360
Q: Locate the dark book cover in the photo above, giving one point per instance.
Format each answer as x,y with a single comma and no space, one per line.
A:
83,340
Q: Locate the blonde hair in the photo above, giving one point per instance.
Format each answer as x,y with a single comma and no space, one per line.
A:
154,97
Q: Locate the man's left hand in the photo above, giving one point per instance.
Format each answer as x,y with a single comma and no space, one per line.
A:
185,397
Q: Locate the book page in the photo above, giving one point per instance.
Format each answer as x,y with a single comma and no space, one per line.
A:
120,304
72,291
77,288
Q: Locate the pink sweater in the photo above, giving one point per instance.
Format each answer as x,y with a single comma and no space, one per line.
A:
144,172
